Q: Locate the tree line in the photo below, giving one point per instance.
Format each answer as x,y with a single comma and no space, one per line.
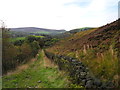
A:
14,55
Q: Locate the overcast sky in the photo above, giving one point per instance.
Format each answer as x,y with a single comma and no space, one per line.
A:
58,14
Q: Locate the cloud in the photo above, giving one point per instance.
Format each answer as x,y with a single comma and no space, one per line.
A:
80,3
58,14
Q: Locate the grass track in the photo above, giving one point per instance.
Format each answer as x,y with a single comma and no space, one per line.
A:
37,75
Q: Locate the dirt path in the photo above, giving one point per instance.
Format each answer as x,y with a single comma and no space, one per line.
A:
48,62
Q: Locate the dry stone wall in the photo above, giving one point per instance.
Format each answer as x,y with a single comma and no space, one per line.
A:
78,72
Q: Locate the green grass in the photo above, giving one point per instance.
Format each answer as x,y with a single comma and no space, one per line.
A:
38,36
18,38
50,77
23,38
42,32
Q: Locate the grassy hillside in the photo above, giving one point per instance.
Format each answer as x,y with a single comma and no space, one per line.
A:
65,45
39,73
96,48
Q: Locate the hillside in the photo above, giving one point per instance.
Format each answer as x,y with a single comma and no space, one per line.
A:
97,48
37,30
97,37
71,32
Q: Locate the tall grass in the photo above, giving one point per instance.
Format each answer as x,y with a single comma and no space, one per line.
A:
104,65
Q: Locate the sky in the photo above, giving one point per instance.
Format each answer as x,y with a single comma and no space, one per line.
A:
58,14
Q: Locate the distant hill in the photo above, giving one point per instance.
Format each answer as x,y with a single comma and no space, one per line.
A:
37,30
73,31
80,29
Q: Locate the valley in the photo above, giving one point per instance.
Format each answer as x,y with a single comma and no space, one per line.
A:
80,58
